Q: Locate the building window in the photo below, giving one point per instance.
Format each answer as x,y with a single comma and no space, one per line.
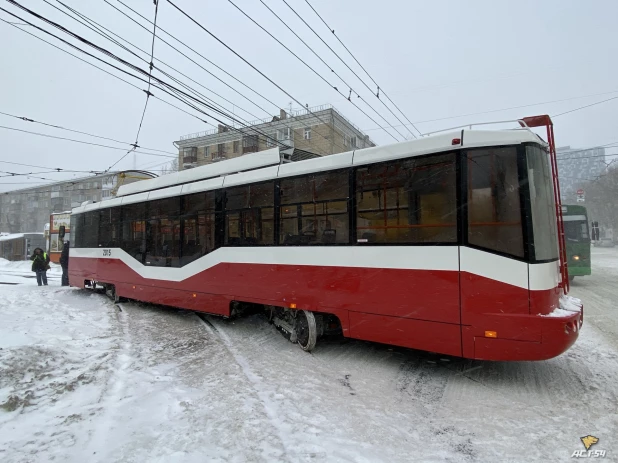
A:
220,150
307,133
236,146
284,134
250,144
206,151
271,140
189,155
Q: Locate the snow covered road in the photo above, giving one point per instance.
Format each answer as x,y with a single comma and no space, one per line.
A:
82,380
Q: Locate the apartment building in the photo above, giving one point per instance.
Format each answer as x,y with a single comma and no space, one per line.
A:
309,132
28,210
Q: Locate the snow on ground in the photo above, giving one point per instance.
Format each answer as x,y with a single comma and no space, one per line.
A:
82,380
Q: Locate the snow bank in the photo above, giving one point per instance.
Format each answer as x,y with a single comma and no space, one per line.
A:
568,305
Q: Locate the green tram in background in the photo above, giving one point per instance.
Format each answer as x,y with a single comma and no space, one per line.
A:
577,239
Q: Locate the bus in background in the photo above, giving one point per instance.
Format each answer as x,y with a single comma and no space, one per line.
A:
56,240
577,238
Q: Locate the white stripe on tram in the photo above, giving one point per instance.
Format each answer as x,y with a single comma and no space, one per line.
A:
438,258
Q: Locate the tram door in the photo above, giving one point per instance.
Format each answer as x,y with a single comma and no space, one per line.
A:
494,274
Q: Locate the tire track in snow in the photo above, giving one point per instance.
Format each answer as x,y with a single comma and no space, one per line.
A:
271,409
111,397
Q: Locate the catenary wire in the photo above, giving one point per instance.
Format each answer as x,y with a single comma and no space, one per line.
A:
27,119
292,117
148,93
314,71
107,36
131,66
505,109
194,51
377,94
98,28
105,71
243,59
84,142
587,106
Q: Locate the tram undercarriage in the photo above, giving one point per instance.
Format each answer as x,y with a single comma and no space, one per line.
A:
298,326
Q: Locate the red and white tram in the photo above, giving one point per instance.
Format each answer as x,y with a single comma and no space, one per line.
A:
449,244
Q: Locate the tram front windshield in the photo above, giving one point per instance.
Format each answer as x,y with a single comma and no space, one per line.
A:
542,205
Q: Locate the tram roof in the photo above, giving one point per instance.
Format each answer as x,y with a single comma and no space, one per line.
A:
267,165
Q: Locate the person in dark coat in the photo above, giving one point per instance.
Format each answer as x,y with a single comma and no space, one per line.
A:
64,263
40,265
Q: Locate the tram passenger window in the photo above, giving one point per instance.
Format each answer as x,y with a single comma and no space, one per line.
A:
163,233
91,229
408,201
494,211
105,227
133,236
114,237
199,226
249,215
77,221
314,209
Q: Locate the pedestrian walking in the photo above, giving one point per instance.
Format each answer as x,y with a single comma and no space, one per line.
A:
40,265
64,263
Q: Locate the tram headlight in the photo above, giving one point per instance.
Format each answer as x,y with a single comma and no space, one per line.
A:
576,257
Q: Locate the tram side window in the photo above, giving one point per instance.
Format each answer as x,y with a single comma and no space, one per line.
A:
249,215
314,209
91,229
109,227
494,210
407,201
133,225
104,227
163,233
77,221
198,223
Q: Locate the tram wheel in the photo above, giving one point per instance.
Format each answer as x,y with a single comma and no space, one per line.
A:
306,330
571,277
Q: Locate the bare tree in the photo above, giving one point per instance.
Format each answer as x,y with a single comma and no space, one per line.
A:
602,199
170,168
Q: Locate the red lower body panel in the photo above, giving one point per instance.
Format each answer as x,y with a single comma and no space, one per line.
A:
422,309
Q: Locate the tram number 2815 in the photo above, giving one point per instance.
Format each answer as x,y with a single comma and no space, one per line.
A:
107,253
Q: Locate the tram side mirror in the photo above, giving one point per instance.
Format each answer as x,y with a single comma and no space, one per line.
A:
61,231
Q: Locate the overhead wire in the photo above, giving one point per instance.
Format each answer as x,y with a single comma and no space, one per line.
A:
194,51
147,91
167,87
244,60
504,109
314,71
197,64
27,119
378,88
84,142
105,71
584,107
98,28
107,36
197,53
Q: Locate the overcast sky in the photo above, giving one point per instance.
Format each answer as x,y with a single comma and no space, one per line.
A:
435,59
